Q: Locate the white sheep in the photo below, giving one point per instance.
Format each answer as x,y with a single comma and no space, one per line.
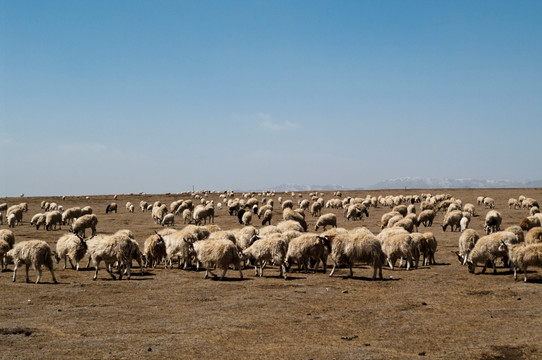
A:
118,247
169,220
493,221
272,248
111,207
53,219
70,214
289,214
306,246
220,253
71,247
349,249
246,218
154,250
33,253
487,249
534,235
290,225
316,209
267,216
398,246
426,218
84,222
11,220
467,240
464,223
326,220
452,219
187,216
489,202
529,222
522,256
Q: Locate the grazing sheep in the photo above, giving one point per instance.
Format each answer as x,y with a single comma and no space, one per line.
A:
489,202
3,207
384,220
246,218
169,220
316,209
529,223
534,235
464,223
268,230
15,212
470,209
290,225
287,204
267,216
529,203
349,249
480,200
7,236
52,220
82,223
71,247
187,216
326,220
177,244
517,231
114,248
158,213
522,256
70,214
11,220
272,248
289,214
35,218
154,250
401,209
467,240
398,246
87,210
306,246
408,223
4,248
220,253
534,210
263,209
432,244
143,205
493,222
33,253
487,249
513,203
452,219
426,218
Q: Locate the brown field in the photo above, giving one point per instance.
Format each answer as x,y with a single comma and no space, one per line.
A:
435,312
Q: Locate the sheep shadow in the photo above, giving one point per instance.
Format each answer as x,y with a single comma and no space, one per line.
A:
230,279
366,278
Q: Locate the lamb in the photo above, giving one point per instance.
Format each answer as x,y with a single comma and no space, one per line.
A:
267,216
464,223
114,248
31,253
467,240
493,221
71,247
453,218
522,256
220,253
398,246
169,219
82,223
306,246
349,249
154,250
529,222
487,249
326,220
289,214
426,217
70,214
272,248
534,235
52,219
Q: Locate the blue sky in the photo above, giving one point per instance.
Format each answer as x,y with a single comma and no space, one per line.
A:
127,96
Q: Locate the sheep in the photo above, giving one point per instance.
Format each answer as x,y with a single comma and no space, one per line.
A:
290,225
534,235
316,209
71,247
177,245
35,218
480,200
11,220
143,205
187,216
426,218
429,258
304,204
517,231
158,213
267,216
467,240
397,246
113,248
84,222
487,249
7,236
408,223
401,209
326,220
534,210
513,203
233,207
529,223
16,214
353,212
470,209
220,253
4,248
384,220
522,256
246,218
287,204
87,210
41,221
169,219
306,246
263,209
349,249
272,248
3,207
52,219
244,236
31,253
489,203
492,222
154,250
268,230
70,214
452,219
289,214
392,221
529,203
464,223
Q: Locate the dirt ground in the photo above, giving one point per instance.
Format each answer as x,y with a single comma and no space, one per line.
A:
435,312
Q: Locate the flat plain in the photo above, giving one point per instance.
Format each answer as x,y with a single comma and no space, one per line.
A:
435,312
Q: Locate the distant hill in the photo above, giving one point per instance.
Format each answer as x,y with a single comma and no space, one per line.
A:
432,183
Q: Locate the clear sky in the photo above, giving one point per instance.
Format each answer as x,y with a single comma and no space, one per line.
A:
101,97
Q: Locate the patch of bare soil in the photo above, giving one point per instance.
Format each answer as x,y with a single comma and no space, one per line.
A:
435,312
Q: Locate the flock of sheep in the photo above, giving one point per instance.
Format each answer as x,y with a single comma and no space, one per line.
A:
202,243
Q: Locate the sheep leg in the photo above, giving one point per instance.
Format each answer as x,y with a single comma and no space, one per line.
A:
333,270
15,270
390,264
65,263
351,271
71,264
39,274
525,274
26,268
515,273
89,258
223,273
52,274
129,270
240,272
494,266
256,273
283,271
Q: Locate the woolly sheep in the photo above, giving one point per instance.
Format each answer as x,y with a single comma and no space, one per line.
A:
408,223
316,209
52,219
246,218
386,218
177,244
487,249
470,208
35,218
534,210
33,253
529,222
493,221
513,203
326,220
169,220
82,223
71,247
263,209
158,213
4,248
272,248
113,248
7,236
187,216
464,223
87,210
426,218
467,240
16,214
154,250
220,253
306,246
522,256
452,219
70,214
398,246
11,220
289,214
534,235
268,215
287,204
489,202
517,231
143,205
349,249
268,230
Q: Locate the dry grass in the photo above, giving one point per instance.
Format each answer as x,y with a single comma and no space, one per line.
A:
439,311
